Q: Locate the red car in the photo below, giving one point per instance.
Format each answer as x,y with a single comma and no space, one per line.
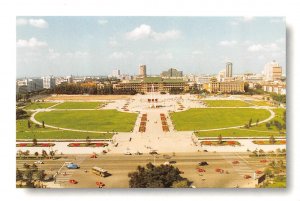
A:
247,176
93,156
263,161
73,181
258,172
235,162
201,170
100,184
219,170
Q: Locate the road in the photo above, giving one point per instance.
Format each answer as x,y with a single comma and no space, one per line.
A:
120,165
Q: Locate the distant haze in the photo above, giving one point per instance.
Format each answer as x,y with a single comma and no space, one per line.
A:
96,45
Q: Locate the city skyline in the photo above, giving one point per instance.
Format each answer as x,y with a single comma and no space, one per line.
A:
97,45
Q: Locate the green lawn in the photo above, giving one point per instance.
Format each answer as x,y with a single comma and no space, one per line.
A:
40,105
261,103
22,125
209,118
79,105
226,103
237,133
60,134
95,120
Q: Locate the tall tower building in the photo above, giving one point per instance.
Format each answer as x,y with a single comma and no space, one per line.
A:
228,70
272,71
142,71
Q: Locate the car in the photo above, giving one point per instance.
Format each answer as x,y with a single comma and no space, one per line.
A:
127,153
258,172
73,181
263,161
172,162
235,162
201,170
93,156
166,163
100,184
153,152
247,176
203,163
205,150
38,162
219,170
73,166
138,153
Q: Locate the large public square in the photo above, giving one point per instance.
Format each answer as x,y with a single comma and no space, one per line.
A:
185,127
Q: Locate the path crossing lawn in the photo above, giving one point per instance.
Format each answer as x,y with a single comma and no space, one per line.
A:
40,105
79,105
226,103
211,118
93,120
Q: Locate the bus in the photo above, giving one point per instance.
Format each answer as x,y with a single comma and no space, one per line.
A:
99,171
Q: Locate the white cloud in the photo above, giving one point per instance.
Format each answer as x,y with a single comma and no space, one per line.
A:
244,19
77,54
52,54
145,32
38,23
263,47
31,43
228,43
120,55
255,48
102,22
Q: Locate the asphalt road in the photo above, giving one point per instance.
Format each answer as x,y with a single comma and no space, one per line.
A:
120,165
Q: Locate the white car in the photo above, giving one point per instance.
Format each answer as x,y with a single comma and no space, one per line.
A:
127,153
38,162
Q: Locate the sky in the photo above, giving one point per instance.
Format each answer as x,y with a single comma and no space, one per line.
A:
85,46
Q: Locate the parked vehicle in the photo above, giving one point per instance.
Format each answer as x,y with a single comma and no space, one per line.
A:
73,166
203,163
38,162
247,176
127,153
73,181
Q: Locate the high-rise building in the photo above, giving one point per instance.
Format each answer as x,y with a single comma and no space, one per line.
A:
172,72
228,70
48,82
142,71
272,71
116,73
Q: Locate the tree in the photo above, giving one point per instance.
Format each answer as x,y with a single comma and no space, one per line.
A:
246,87
43,124
151,176
250,122
28,174
19,175
40,175
52,154
272,139
34,141
44,154
21,114
28,124
257,120
268,125
220,139
26,153
181,184
36,154
88,140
